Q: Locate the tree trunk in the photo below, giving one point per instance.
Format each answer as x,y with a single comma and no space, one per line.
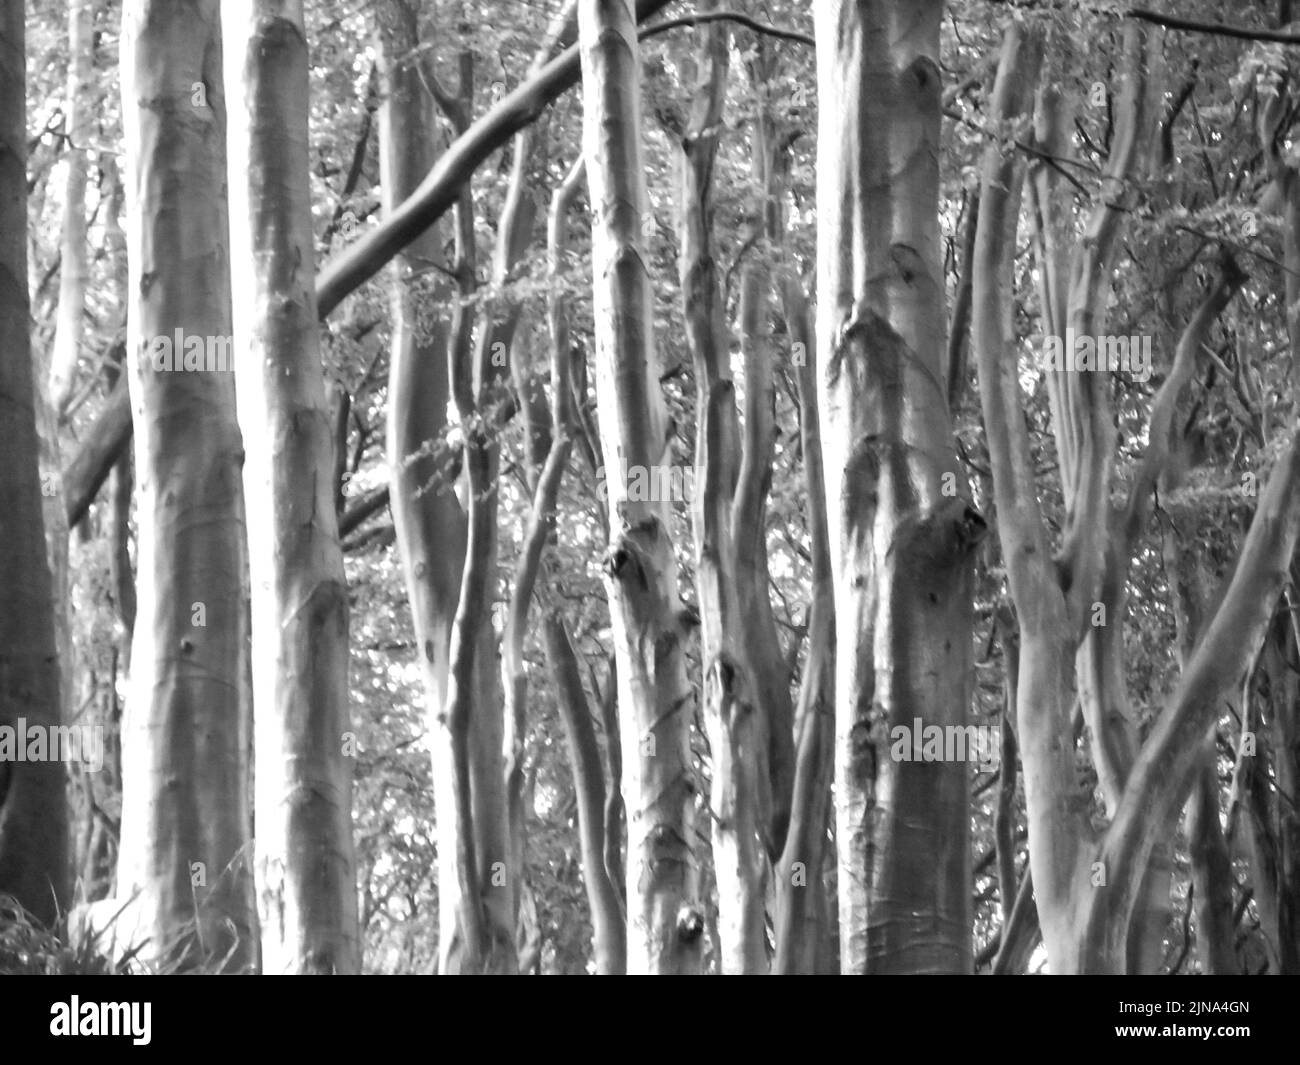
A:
1165,771
609,927
666,920
473,713
901,536
731,692
33,816
756,625
438,191
801,902
73,268
598,833
429,523
306,867
1211,871
427,201
496,344
185,806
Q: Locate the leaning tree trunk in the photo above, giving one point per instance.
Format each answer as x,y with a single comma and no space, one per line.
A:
665,918
432,536
185,805
33,816
1088,885
901,536
305,862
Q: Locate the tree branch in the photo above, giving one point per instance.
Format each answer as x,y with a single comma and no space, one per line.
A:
727,16
1219,29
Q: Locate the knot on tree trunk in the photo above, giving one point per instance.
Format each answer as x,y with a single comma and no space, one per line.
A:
690,925
940,538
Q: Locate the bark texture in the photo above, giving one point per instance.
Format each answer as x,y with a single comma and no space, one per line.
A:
665,919
901,531
73,265
33,817
426,202
185,851
307,892
1101,893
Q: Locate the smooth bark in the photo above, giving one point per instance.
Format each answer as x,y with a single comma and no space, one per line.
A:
665,916
901,532
802,906
33,817
306,867
185,860
426,201
73,249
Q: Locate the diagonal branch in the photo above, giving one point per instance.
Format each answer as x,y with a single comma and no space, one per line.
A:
1164,773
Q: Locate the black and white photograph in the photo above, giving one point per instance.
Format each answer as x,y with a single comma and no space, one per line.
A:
650,487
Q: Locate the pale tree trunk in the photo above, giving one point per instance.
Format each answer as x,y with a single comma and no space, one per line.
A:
901,536
665,926
774,710
73,266
802,915
1113,725
609,926
432,193
1166,769
456,641
429,524
731,692
496,346
473,711
597,832
33,815
305,862
1057,827
185,849
1088,886
487,878
1114,728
